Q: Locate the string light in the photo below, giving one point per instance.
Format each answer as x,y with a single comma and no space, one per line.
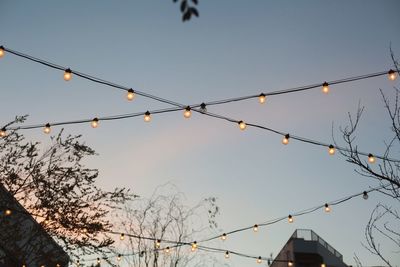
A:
98,260
158,243
323,265
259,260
47,128
371,158
242,125
227,255
122,236
325,87
194,246
147,116
95,123
119,257
67,74
285,139
290,263
2,51
130,94
261,98
7,212
223,237
331,150
290,218
187,112
392,75
255,228
365,195
327,208
3,132
167,250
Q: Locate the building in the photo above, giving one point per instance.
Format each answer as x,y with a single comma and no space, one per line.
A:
23,241
306,249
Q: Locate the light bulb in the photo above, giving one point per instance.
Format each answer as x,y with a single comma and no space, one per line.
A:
46,221
242,125
122,237
98,260
392,75
365,195
203,108
2,52
290,218
158,243
223,237
7,212
261,98
325,87
166,250
194,246
47,128
290,263
95,123
327,208
187,112
147,116
67,74
259,260
119,257
331,150
227,255
371,158
323,265
255,228
130,95
3,132
285,139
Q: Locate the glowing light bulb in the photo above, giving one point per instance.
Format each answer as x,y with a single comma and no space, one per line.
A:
261,98
323,265
7,212
227,255
187,113
365,195
98,260
242,125
119,257
167,250
392,75
371,158
67,74
122,236
259,260
325,87
130,95
285,139
223,237
47,128
3,132
331,150
203,108
46,221
255,228
95,123
327,208
147,116
194,246
290,263
2,52
158,243
290,219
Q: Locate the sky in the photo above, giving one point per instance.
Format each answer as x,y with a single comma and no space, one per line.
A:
234,48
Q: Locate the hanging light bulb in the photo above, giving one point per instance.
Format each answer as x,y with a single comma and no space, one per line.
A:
77,263
331,150
3,132
255,228
327,208
119,257
68,74
167,250
46,221
194,246
2,52
147,116
392,75
261,98
259,260
158,243
227,255
187,112
290,263
47,128
290,218
95,123
371,158
122,236
285,139
365,195
130,95
203,108
223,237
323,265
7,212
242,125
98,260
325,87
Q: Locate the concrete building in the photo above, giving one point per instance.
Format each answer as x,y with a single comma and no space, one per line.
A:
23,241
306,249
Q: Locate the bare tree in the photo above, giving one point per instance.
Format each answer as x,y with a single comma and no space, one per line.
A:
162,217
54,186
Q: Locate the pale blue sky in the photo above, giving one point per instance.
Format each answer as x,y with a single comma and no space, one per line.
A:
235,48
